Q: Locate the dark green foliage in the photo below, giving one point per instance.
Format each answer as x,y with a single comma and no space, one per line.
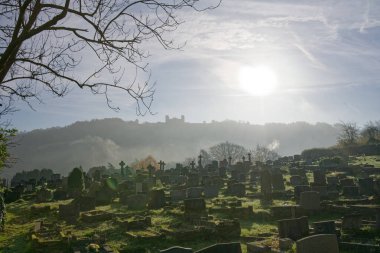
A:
5,139
34,174
75,181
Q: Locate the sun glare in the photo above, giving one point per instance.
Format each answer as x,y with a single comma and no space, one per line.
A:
258,81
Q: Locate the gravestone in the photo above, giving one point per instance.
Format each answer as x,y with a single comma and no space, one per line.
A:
156,199
192,180
332,180
296,180
310,200
278,182
324,227
233,247
177,195
351,222
211,191
85,203
326,243
139,187
346,182
194,192
319,177
177,249
298,189
69,213
350,191
44,195
136,201
366,186
237,190
323,192
294,229
266,184
60,194
195,206
253,247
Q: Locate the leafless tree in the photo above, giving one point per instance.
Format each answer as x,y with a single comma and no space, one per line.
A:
349,133
227,149
263,154
371,131
42,43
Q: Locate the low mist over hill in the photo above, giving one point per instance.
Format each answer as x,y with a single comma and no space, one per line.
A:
110,140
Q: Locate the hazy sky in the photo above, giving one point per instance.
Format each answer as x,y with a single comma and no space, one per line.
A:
321,60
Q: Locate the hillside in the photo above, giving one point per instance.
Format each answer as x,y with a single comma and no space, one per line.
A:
98,142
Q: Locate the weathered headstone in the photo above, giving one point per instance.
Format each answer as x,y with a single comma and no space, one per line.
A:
211,191
324,227
195,205
326,243
266,184
69,213
44,195
296,180
323,191
319,177
346,182
136,201
351,222
177,195
298,189
350,191
194,192
278,182
237,190
366,186
293,228
156,199
310,200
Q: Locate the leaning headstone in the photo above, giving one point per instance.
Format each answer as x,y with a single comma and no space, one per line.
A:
156,199
233,247
326,243
324,227
177,249
293,228
310,200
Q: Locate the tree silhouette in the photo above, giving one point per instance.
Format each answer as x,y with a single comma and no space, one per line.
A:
349,133
227,149
42,44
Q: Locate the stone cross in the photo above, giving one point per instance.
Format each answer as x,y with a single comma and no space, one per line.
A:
162,165
122,163
192,164
229,160
249,157
243,159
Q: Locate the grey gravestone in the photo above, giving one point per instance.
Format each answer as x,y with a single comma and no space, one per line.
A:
350,191
237,190
346,182
136,201
177,195
351,222
326,243
196,205
319,177
310,200
177,249
265,183
324,227
194,192
278,182
233,247
366,186
332,180
300,188
293,228
323,193
211,191
296,180
156,199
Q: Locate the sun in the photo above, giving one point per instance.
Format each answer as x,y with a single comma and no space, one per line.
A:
258,81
